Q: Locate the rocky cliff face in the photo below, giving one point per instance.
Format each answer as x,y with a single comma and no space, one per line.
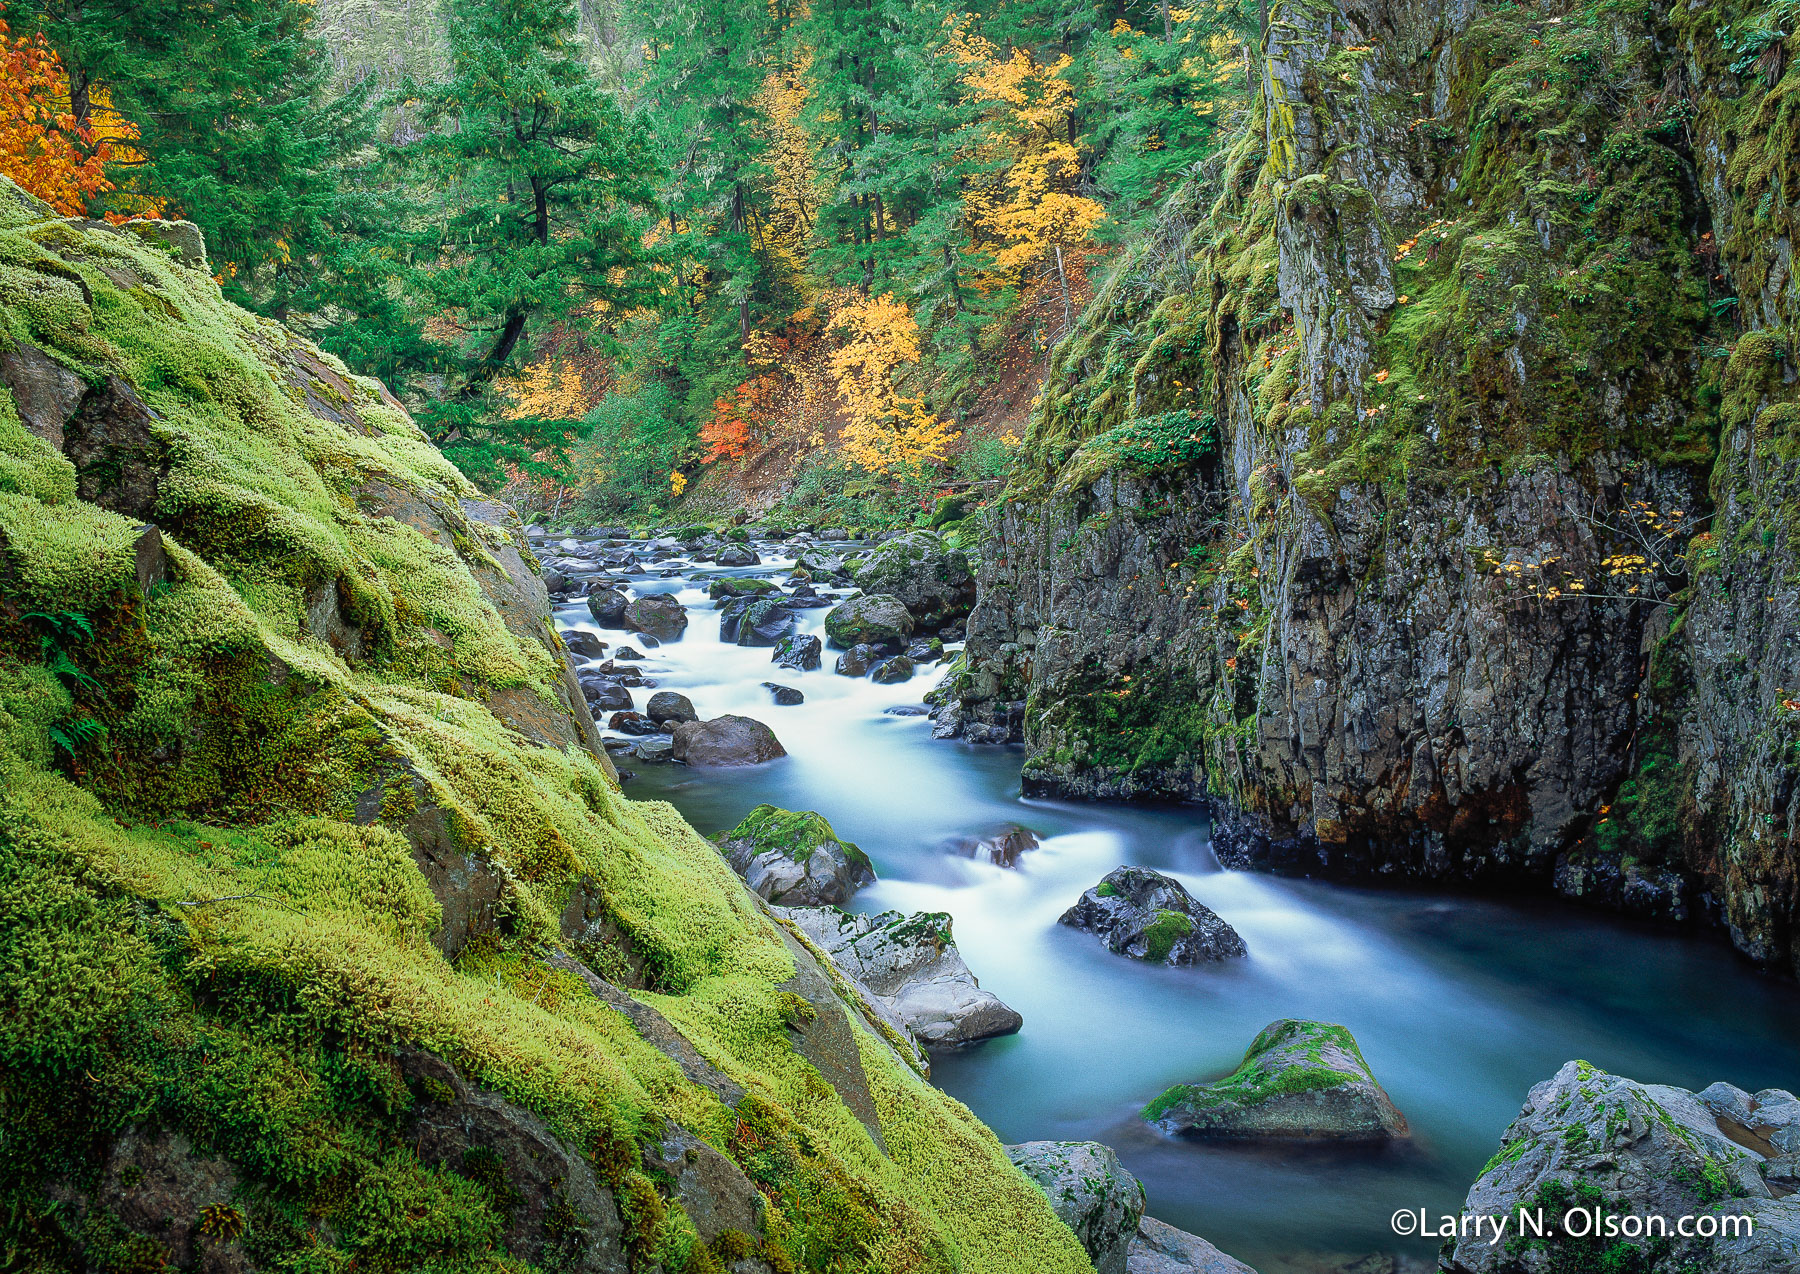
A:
327,937
1414,492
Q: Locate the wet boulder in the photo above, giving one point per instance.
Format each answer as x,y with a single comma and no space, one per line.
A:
1091,1191
606,695
855,662
911,965
607,606
879,620
793,858
890,672
738,555
659,614
667,706
726,740
931,580
764,623
722,590
632,723
1299,1080
1146,915
584,644
1001,849
800,651
783,696
628,652
1589,1140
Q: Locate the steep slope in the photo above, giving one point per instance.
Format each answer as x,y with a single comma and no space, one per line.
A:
327,938
1364,502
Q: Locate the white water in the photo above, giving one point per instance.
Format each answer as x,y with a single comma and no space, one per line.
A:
1460,1003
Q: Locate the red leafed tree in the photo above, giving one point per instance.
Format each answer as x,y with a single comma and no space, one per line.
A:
740,417
42,146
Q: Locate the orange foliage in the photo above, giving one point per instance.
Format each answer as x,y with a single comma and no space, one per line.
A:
42,145
740,416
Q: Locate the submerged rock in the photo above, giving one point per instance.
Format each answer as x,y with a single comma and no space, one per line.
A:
911,965
1091,1191
726,740
1590,1141
792,858
891,672
1299,1079
1146,915
783,696
881,620
659,614
1002,849
855,661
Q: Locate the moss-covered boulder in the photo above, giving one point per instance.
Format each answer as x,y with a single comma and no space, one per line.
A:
722,590
932,580
1587,1142
283,725
1146,915
792,858
1091,1191
765,622
800,651
1299,1080
881,620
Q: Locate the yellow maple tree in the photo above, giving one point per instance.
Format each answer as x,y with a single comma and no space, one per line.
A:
886,429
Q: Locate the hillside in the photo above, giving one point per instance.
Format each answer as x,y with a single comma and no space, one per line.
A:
1416,491
327,938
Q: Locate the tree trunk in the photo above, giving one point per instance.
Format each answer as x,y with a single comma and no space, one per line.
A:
1063,279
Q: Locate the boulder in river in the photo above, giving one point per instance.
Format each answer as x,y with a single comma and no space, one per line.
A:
881,620
660,614
726,740
584,644
628,652
1002,849
931,580
632,723
667,706
1091,1191
604,695
1144,914
792,858
911,965
892,671
738,555
607,606
783,696
764,623
722,590
1587,1142
855,661
1299,1080
799,651
1160,1248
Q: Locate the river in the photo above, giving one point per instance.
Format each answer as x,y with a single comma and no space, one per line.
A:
1460,1002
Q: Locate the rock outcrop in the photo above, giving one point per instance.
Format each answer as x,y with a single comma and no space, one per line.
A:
1146,915
793,859
1091,1191
1298,1080
1589,1146
284,726
910,965
1414,491
1159,1248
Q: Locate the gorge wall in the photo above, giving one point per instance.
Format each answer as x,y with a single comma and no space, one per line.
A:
1419,494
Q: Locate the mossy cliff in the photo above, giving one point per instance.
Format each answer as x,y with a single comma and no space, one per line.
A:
1334,491
327,939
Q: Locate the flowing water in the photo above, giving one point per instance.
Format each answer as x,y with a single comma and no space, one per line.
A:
1460,1003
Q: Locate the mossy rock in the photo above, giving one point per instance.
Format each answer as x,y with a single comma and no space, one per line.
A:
792,858
1299,1080
880,621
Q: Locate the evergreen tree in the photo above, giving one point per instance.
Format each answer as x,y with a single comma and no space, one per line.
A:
537,182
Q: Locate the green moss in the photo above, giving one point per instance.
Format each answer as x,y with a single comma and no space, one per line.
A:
795,833
1261,1076
1164,932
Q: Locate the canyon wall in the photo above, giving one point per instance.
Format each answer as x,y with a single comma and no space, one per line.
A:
1414,494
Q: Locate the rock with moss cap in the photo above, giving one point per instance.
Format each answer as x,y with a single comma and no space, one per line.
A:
910,964
792,858
1590,1140
1091,1191
929,578
1299,1080
1146,915
881,621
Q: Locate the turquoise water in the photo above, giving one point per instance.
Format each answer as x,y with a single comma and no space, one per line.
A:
1460,1003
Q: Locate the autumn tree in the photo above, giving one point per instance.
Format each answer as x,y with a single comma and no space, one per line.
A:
43,146
887,429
